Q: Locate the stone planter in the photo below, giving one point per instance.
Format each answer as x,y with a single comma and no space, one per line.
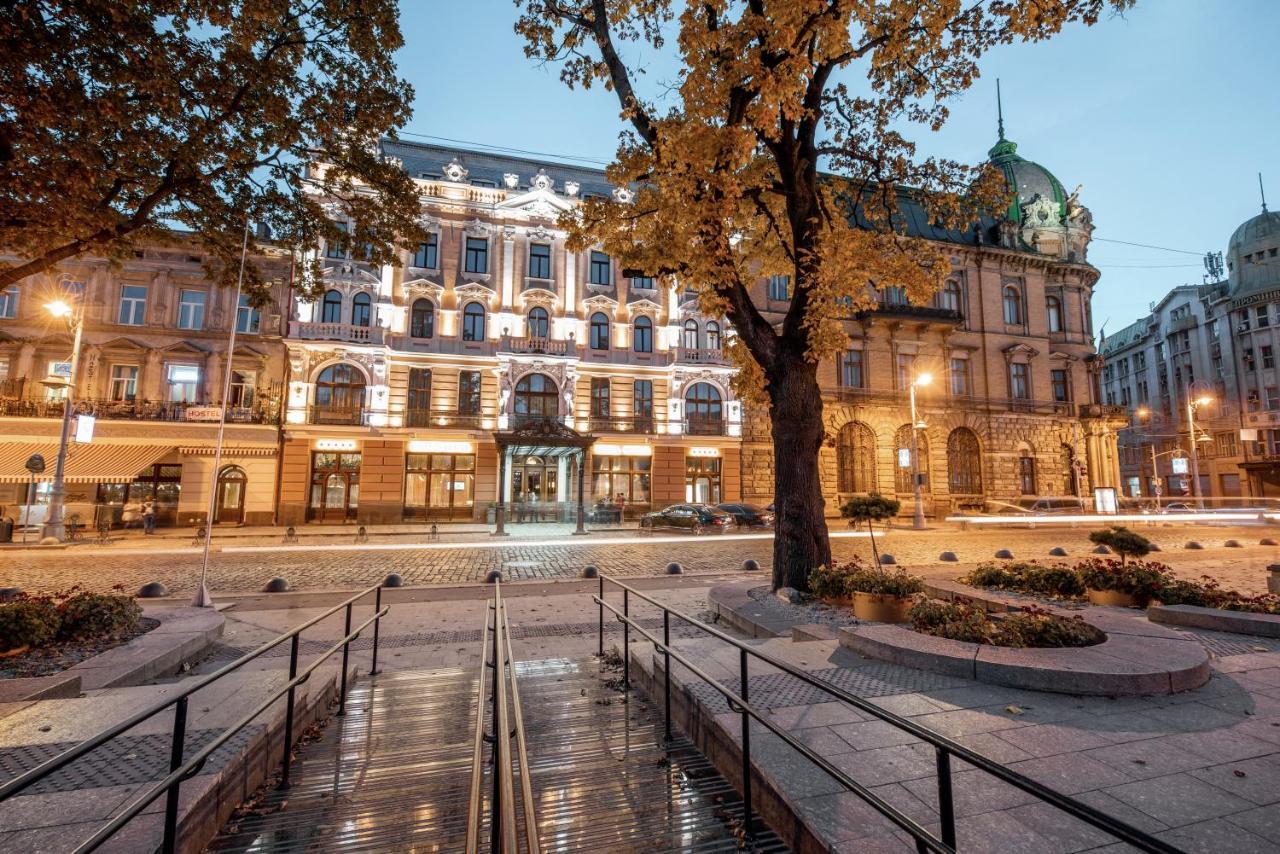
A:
839,601
880,608
1112,597
1273,578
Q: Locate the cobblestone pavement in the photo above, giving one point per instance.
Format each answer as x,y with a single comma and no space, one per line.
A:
319,567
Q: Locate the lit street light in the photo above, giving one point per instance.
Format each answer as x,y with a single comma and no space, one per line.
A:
54,527
1192,405
917,521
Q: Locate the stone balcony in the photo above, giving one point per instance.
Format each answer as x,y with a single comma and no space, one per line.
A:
536,346
701,356
307,331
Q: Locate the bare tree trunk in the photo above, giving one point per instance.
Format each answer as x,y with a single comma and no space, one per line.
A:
801,544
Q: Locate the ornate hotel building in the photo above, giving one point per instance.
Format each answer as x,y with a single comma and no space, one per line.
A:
148,389
494,366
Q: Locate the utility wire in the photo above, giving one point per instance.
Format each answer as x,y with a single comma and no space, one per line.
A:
1148,246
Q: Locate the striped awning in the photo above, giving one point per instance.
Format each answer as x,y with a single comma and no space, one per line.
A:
92,463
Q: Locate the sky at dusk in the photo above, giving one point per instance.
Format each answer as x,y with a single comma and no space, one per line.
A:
1165,116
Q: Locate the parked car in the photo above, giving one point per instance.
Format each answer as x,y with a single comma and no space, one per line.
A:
695,518
748,515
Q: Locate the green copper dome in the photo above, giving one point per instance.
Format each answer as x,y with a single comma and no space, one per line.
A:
1029,180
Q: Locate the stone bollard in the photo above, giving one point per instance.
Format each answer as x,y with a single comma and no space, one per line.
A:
590,571
152,590
1102,550
290,535
949,557
493,576
750,565
1232,544
1004,554
887,559
1155,547
362,534
1058,551
276,585
1273,578
674,568
1193,545
393,580
1266,541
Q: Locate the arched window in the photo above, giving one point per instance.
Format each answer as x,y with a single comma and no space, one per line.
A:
856,458
690,334
949,297
1026,472
538,323
422,319
1012,304
339,395
713,336
536,399
473,322
901,443
703,410
599,331
361,310
331,308
964,462
642,337
1054,307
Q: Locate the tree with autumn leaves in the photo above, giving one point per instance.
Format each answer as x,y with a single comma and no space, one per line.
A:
782,147
122,119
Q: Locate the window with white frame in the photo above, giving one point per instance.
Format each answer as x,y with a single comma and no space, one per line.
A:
124,382
243,386
1053,307
183,382
852,369
780,288
959,377
1012,305
133,305
1019,381
191,309
949,297
713,335
248,318
9,302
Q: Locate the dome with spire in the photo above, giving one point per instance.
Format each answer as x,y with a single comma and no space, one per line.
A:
1253,255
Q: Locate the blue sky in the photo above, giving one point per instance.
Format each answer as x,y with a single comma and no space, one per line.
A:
1165,116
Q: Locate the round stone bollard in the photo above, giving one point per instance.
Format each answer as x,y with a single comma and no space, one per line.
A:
393,580
887,559
750,565
674,568
1102,550
153,590
949,557
1193,545
1232,544
1004,554
1266,541
1155,547
1057,551
276,585
8,594
590,571
493,576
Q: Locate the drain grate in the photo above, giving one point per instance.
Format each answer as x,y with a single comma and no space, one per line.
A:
779,690
1224,644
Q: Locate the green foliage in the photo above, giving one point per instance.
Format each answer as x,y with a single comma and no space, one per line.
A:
884,583
870,508
1122,541
86,616
1208,593
830,582
1056,580
28,621
1031,627
1144,580
1027,577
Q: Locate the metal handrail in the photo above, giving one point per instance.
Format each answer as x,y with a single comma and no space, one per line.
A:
945,747
181,770
522,751
503,786
477,748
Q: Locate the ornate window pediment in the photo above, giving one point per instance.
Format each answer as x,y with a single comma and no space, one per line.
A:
538,297
478,228
539,203
1021,350
475,290
600,302
644,306
349,274
423,287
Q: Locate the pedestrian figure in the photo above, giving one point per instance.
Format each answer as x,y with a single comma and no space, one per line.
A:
149,516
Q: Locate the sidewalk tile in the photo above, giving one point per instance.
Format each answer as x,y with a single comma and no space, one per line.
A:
1215,837
1070,772
1052,739
1256,780
1179,799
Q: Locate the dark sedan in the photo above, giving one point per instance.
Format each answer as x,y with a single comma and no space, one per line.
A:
748,515
695,518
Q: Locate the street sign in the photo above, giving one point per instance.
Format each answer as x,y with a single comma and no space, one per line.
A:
904,458
84,429
1179,465
35,464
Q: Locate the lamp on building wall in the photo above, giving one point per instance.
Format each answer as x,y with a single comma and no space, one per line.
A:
54,529
917,521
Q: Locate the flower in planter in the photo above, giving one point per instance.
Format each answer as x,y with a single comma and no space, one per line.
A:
1032,627
1122,541
881,582
1143,580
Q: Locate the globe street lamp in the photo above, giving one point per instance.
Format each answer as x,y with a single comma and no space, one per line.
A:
1192,406
917,521
54,527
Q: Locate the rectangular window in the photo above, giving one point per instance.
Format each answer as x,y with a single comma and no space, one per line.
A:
333,249
124,382
1273,398
601,269
959,377
469,393
183,382
1268,356
248,318
642,283
906,370
1249,364
642,399
622,480
439,486
1019,384
418,404
244,386
191,309
133,305
1061,391
779,288
1260,312
477,255
599,397
427,254
851,373
539,261
9,302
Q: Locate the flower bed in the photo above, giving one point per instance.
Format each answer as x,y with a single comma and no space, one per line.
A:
1031,627
40,635
875,594
1057,581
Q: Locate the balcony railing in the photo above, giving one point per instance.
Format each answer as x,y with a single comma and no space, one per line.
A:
893,397
704,426
422,418
539,346
338,416
614,424
140,410
702,355
335,332
926,313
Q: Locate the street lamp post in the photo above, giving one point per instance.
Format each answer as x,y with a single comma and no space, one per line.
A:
54,527
1203,400
917,521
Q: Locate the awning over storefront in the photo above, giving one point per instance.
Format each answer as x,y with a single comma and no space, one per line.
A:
90,463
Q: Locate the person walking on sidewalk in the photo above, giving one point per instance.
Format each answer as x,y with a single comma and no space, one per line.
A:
149,516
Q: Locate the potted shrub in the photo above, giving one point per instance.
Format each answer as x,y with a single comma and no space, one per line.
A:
1128,544
1123,584
1122,541
883,597
869,509
831,584
26,622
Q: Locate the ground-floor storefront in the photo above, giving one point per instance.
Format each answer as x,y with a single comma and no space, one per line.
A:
327,477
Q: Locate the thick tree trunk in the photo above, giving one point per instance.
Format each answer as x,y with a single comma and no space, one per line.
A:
801,544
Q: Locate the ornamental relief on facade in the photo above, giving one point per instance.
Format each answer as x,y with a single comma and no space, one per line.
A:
474,291
539,297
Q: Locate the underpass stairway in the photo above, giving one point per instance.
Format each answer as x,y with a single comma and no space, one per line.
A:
393,774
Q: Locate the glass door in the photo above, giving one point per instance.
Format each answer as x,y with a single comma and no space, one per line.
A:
335,487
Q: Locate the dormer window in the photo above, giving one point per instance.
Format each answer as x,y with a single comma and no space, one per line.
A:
483,182
601,269
539,260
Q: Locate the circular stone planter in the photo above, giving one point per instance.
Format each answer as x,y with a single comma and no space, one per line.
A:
1112,597
879,608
